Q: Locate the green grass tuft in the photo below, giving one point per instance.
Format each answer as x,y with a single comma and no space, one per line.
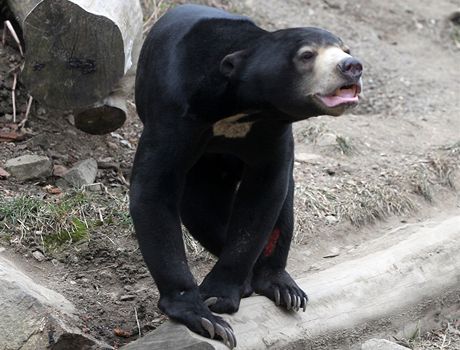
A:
53,223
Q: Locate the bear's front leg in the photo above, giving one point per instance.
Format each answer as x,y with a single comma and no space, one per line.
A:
156,188
270,277
259,200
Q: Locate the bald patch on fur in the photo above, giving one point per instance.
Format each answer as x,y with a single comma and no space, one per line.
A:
231,128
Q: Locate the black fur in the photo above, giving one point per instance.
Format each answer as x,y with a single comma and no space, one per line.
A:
200,65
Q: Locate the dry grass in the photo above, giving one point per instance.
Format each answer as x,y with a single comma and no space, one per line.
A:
437,169
312,134
366,199
445,338
153,10
360,203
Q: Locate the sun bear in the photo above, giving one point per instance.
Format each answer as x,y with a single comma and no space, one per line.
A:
217,96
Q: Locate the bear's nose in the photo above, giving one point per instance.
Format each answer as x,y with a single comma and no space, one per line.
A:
351,67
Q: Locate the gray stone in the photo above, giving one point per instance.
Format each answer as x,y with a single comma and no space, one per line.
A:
96,187
40,141
310,158
38,255
83,173
29,167
381,344
331,219
32,315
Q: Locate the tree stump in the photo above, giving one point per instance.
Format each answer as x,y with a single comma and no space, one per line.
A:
78,55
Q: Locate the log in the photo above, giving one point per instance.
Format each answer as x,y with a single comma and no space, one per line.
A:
77,52
394,285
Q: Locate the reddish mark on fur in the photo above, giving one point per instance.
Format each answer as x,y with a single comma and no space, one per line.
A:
270,247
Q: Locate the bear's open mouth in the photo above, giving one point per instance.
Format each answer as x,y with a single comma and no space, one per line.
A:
347,94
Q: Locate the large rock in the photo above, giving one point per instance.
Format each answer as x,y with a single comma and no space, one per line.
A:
34,317
29,167
381,344
82,173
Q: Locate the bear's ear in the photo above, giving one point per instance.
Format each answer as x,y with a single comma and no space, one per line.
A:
230,63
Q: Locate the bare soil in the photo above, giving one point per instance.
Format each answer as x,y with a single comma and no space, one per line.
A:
396,158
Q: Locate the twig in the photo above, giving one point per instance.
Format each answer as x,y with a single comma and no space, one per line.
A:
153,17
26,117
122,179
137,321
15,68
110,239
13,96
444,339
7,24
100,215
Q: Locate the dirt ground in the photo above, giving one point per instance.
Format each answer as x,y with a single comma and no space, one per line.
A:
395,158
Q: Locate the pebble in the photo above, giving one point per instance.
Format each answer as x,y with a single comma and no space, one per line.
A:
38,255
331,219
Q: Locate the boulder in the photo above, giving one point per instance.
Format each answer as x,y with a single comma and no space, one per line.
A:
82,173
29,167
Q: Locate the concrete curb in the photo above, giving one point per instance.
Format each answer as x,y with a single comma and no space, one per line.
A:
396,280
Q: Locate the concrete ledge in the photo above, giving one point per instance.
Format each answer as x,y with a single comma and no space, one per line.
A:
34,317
395,279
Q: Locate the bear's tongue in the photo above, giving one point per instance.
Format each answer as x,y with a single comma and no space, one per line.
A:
343,95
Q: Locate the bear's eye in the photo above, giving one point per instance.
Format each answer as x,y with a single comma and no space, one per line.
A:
307,55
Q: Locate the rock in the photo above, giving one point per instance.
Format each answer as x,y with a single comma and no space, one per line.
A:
331,219
112,145
4,174
96,187
33,317
308,158
40,141
38,255
327,139
41,111
29,167
83,173
381,344
332,253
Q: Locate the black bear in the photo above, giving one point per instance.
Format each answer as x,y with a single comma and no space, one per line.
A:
217,96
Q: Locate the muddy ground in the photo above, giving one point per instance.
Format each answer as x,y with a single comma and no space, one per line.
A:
392,160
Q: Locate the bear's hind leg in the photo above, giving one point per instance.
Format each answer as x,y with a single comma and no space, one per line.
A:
208,198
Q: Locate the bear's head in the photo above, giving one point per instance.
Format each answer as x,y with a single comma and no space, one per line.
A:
300,72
